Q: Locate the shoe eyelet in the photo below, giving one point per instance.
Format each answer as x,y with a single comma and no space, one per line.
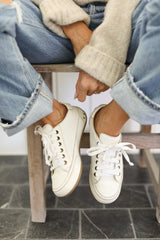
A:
59,144
63,156
58,138
96,161
61,150
96,168
97,156
57,131
65,162
94,174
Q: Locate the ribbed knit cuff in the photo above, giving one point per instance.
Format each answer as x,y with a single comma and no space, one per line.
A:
58,13
99,65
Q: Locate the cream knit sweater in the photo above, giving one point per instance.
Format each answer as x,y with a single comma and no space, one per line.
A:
104,57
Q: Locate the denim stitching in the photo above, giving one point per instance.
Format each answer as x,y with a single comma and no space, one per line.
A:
139,93
46,96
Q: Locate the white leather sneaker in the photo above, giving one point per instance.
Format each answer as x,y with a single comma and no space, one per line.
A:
61,149
106,170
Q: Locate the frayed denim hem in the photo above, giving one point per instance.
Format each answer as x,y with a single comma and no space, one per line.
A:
139,93
38,106
134,102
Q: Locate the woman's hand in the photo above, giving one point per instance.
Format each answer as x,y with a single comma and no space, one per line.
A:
80,35
88,85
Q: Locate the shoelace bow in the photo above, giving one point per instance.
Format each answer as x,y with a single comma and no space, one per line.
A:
108,160
53,155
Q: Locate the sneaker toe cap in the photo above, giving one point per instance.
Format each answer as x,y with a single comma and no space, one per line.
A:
108,190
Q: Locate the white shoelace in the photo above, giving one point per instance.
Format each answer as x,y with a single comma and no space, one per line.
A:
53,151
109,158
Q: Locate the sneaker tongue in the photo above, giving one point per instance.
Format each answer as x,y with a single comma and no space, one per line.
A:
106,139
47,128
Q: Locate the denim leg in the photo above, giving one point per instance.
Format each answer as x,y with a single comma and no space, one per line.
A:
21,88
24,96
23,40
38,44
138,92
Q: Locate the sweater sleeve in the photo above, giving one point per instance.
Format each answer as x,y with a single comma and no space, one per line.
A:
104,57
57,13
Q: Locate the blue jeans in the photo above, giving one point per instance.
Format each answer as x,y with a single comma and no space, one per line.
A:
24,39
24,97
138,92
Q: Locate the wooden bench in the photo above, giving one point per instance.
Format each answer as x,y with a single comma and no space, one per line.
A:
38,171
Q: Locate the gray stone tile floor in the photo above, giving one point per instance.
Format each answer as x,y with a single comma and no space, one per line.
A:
78,216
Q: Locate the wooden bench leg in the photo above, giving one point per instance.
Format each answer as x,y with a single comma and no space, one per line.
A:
36,176
144,129
38,171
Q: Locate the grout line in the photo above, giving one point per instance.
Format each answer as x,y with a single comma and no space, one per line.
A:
149,197
80,224
77,209
86,209
71,227
138,184
132,224
15,184
79,185
89,239
10,166
27,227
100,209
